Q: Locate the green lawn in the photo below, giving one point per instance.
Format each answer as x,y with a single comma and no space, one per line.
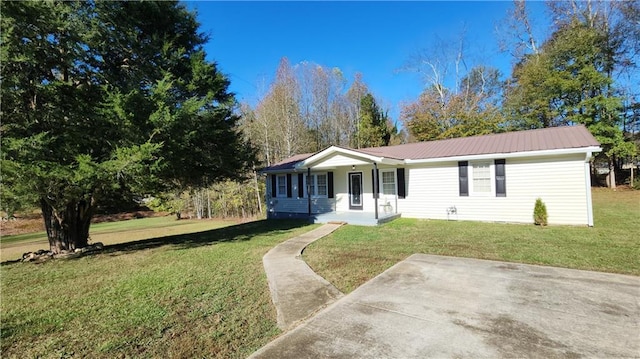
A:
353,255
111,233
205,294
192,295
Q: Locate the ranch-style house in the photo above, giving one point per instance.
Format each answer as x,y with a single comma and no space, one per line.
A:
495,178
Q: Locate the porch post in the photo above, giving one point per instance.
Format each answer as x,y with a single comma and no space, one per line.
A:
309,190
375,185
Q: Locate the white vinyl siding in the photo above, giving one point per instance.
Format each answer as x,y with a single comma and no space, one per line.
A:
301,205
340,160
561,181
558,180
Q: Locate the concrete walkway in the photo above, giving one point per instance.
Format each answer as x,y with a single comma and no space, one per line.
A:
444,307
296,290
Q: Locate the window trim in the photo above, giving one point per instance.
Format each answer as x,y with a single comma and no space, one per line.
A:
279,193
395,182
466,171
490,178
314,184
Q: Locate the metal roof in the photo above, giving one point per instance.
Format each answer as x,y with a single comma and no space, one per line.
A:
545,139
288,163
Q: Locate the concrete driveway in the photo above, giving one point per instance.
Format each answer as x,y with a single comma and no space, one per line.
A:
443,307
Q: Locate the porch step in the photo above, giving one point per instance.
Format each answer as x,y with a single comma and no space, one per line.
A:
353,218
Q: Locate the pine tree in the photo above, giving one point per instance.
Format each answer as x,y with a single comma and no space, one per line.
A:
104,97
372,130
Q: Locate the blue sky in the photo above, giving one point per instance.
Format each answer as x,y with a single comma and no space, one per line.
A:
248,39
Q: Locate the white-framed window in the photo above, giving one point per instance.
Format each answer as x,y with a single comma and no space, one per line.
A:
389,182
281,185
319,185
481,177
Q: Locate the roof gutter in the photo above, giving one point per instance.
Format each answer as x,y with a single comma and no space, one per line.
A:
587,183
565,151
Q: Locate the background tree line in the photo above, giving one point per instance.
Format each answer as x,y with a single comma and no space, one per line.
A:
116,99
309,107
306,108
583,72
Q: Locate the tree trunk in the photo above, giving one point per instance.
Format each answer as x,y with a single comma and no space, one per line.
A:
258,199
198,203
209,203
67,229
612,173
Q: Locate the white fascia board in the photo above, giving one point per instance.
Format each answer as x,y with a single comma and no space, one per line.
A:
314,168
334,149
391,161
565,151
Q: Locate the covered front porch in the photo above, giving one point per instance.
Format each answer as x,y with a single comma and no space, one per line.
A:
355,218
364,187
337,185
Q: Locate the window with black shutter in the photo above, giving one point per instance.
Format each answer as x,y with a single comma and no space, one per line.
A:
402,191
375,183
273,186
463,177
300,185
330,184
289,192
501,186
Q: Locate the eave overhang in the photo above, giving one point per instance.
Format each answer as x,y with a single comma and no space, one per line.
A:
317,159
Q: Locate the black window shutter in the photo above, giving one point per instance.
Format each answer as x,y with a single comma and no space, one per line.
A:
300,185
501,186
330,184
402,191
374,182
289,185
463,178
273,185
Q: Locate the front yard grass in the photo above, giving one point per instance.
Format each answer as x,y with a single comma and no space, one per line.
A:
193,295
353,255
205,294
12,247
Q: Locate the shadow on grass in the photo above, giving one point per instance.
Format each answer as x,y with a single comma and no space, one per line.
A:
238,232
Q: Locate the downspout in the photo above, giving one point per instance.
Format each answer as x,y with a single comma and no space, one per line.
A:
587,181
375,185
309,190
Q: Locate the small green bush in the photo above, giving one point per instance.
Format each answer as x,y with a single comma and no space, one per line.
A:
540,213
636,183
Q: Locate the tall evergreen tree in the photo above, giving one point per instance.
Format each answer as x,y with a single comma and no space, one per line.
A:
373,130
99,97
568,82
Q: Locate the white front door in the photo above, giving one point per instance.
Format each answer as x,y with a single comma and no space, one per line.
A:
355,190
